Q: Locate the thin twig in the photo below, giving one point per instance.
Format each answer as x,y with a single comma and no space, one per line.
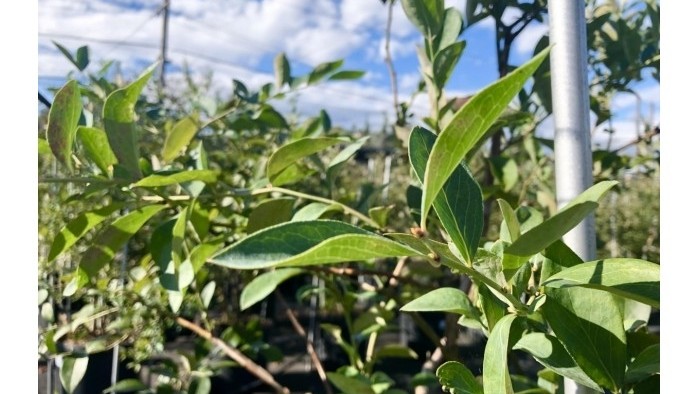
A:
390,63
309,345
235,355
346,209
357,272
430,365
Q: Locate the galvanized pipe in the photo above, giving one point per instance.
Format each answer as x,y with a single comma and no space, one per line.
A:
572,141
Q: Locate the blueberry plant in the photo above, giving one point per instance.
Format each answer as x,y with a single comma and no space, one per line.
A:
189,215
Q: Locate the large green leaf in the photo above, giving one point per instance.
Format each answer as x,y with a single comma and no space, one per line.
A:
97,148
63,122
631,278
270,212
108,242
589,324
446,299
179,137
78,227
457,379
548,351
496,376
126,386
72,372
308,243
510,228
346,75
170,178
263,285
538,238
459,203
314,211
118,114
646,364
289,154
345,155
161,248
466,128
426,15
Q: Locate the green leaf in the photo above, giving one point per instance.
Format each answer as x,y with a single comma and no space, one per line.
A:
457,379
505,171
552,229
72,372
200,385
349,385
496,375
118,114
314,211
467,126
207,293
43,147
425,15
201,253
548,351
270,212
445,299
459,203
289,154
82,58
345,155
97,148
636,279
308,243
167,178
63,122
394,351
263,285
322,70
282,71
78,227
445,62
380,215
646,364
346,75
510,222
494,309
589,324
179,137
451,28
126,386
108,242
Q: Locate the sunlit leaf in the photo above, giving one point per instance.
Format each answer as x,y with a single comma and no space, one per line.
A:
459,203
111,239
170,178
179,137
72,372
308,243
78,227
263,285
631,278
457,379
119,116
63,122
97,148
466,128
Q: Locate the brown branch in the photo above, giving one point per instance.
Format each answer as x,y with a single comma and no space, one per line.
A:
390,63
357,272
309,345
235,355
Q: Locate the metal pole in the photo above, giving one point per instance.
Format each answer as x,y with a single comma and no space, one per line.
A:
164,42
572,142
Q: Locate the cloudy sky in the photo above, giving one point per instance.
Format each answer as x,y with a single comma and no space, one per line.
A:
238,39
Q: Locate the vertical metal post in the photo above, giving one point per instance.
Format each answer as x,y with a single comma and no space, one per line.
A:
572,142
164,43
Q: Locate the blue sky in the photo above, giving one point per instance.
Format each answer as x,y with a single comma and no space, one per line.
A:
239,38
